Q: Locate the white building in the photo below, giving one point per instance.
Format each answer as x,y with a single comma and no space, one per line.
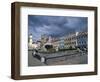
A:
31,44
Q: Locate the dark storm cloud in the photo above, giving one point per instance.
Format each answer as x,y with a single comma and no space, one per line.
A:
56,26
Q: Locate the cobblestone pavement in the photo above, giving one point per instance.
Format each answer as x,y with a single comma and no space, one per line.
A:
32,61
69,60
76,58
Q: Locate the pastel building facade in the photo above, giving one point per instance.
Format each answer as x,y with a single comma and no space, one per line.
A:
82,40
71,41
74,40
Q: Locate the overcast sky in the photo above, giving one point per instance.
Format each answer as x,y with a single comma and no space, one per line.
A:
56,26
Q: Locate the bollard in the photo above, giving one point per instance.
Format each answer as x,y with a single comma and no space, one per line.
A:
42,59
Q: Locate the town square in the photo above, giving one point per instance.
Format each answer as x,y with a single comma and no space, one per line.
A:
55,45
